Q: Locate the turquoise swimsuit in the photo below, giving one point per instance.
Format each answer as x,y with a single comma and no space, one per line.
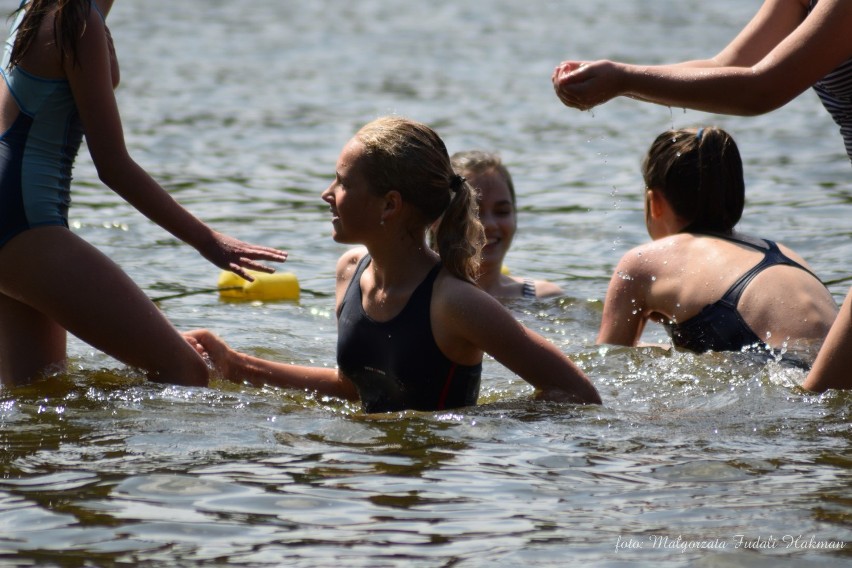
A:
37,152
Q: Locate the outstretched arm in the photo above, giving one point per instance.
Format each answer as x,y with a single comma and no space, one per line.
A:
92,80
833,366
469,320
775,58
238,367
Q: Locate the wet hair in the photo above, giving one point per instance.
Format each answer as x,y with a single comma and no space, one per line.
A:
409,157
479,162
700,173
68,26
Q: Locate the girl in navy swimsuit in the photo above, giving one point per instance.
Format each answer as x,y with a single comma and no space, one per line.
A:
412,325
712,288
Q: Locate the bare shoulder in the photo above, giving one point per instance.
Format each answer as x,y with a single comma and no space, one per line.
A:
346,266
348,261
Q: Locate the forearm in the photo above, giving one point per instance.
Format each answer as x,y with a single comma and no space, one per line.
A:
708,88
259,372
555,376
833,366
139,189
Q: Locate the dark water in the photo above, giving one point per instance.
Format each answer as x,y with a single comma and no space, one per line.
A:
240,109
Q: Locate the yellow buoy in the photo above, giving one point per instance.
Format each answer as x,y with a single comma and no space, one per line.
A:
277,286
505,270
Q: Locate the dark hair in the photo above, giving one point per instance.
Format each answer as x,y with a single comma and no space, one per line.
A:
700,173
68,26
409,157
478,162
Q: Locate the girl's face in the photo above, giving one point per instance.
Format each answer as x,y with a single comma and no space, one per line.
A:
355,210
497,215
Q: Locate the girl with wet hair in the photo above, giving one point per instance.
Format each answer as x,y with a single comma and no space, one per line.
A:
59,71
711,287
412,323
497,203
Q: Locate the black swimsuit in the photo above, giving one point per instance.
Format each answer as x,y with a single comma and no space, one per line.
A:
719,326
397,365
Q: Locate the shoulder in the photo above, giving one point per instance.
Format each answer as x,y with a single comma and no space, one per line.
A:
456,297
347,264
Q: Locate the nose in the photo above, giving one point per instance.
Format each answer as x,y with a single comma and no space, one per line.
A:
487,219
326,195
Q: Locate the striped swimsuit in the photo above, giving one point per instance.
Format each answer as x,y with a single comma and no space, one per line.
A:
835,92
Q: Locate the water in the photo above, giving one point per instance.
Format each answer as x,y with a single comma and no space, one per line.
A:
240,110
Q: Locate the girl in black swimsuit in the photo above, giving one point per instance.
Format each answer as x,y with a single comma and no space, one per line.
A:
412,323
711,288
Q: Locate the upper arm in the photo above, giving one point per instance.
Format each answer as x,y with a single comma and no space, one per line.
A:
801,57
774,21
91,81
470,317
625,305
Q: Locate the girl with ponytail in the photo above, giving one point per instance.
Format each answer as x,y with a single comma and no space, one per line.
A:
711,287
412,323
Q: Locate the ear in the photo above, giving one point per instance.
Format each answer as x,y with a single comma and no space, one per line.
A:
392,205
658,205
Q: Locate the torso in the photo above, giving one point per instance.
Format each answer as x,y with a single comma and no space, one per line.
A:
37,152
397,364
691,272
41,137
835,92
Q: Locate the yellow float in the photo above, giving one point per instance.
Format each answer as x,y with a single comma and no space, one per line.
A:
276,286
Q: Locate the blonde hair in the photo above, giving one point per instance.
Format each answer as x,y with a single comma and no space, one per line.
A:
409,157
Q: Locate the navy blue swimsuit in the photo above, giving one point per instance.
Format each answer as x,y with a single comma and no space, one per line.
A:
396,365
719,326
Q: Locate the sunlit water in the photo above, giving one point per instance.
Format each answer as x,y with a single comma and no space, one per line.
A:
240,109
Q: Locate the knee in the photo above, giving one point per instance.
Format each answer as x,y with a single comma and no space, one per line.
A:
193,373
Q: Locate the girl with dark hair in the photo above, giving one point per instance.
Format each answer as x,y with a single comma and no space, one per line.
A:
412,323
59,71
711,287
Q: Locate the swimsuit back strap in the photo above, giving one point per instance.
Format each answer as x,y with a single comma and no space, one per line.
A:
772,256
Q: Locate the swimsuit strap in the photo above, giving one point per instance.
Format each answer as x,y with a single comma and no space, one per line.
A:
772,256
529,288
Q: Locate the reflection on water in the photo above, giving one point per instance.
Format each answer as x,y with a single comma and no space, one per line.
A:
241,116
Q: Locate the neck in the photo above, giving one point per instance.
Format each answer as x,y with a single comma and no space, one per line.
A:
397,262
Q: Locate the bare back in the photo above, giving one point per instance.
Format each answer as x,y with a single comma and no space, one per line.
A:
674,278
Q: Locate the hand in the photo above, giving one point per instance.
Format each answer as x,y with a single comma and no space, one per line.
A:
584,85
212,348
232,254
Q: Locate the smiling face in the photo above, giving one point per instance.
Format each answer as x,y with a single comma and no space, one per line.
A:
497,215
356,211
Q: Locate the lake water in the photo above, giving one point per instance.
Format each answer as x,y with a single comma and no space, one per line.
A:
240,110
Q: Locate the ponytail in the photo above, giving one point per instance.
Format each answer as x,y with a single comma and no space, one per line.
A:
700,173
460,236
